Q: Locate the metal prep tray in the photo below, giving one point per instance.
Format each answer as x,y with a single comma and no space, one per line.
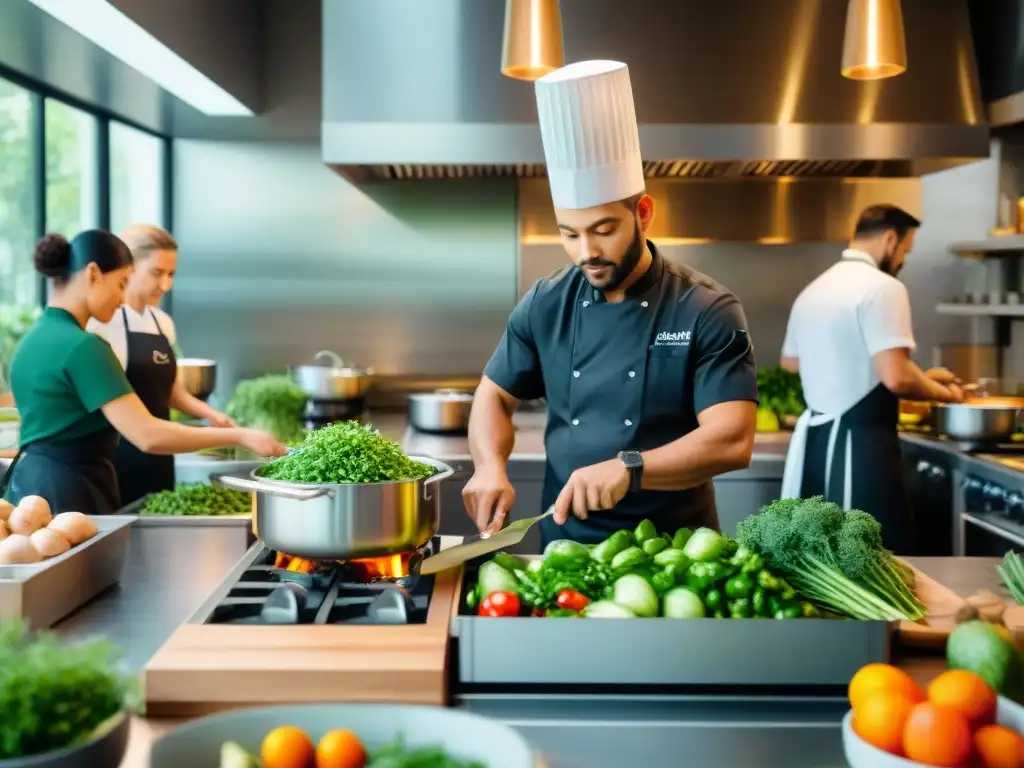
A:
202,521
662,652
44,593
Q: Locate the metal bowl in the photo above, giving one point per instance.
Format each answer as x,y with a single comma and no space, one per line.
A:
333,382
197,376
463,735
105,748
445,410
346,521
977,421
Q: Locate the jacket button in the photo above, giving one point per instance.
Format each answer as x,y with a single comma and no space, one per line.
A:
575,422
632,374
576,374
628,423
643,303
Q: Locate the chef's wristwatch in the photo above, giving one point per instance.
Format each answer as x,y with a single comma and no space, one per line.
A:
635,464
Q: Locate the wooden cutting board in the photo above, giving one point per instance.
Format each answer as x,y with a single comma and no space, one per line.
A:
942,603
205,668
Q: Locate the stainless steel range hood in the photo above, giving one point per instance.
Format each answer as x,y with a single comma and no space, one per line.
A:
742,89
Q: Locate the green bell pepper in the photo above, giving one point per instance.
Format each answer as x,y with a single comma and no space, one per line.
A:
703,575
606,551
760,603
809,610
652,547
738,586
767,581
678,573
752,565
671,556
473,597
631,557
740,608
662,582
789,611
713,599
682,536
645,531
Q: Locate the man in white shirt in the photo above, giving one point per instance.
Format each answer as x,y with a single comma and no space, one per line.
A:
850,337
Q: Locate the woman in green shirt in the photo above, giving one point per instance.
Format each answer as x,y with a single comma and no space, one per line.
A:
72,394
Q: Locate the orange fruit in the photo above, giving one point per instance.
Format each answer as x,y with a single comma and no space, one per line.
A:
879,719
967,693
340,749
998,747
937,735
882,677
287,747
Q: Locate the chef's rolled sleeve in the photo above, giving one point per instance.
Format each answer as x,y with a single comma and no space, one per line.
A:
515,364
724,370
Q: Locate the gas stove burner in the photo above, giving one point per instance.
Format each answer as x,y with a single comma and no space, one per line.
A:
332,593
320,413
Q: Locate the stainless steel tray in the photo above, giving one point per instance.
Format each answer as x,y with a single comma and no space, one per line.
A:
662,652
190,521
44,593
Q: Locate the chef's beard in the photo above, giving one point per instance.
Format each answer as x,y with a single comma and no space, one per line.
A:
621,271
886,265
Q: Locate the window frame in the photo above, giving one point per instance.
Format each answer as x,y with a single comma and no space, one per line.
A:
38,94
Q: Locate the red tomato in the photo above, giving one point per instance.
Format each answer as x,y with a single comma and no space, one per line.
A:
571,600
498,604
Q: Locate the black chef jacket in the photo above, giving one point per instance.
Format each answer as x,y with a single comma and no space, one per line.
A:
631,375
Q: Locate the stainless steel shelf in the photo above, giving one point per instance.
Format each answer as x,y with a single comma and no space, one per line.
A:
1002,245
981,310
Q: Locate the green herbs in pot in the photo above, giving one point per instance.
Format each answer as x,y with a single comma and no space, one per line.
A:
197,500
346,452
55,695
272,403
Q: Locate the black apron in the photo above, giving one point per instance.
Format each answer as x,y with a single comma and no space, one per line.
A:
854,460
625,392
151,371
74,475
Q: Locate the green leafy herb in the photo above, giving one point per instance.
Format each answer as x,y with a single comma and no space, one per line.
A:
398,755
346,452
53,695
1011,572
197,500
272,403
780,391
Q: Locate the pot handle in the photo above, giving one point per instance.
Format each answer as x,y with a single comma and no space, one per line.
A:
245,484
335,360
444,474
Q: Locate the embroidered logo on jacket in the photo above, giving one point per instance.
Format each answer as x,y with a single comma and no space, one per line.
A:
673,339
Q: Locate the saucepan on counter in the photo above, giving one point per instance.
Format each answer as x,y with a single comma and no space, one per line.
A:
336,381
983,419
346,521
440,411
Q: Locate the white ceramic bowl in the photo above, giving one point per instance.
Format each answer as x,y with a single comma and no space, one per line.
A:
860,754
463,735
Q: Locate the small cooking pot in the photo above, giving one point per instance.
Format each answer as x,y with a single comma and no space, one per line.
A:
346,521
333,382
198,377
979,419
444,410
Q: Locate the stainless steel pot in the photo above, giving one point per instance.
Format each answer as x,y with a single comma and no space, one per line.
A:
346,521
987,419
333,382
198,377
445,410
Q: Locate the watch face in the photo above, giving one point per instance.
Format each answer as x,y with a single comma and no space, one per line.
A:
631,459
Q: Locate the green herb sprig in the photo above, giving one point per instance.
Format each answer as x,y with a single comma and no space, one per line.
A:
197,500
346,452
54,694
272,403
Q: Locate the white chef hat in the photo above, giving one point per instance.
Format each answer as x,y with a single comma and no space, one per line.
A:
588,127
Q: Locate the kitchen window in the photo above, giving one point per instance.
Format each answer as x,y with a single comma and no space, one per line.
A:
136,177
72,168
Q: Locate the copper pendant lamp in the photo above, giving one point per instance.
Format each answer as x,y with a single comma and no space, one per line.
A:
533,39
874,46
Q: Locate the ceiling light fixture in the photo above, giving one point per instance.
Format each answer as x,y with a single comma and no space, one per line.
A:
110,29
874,46
533,39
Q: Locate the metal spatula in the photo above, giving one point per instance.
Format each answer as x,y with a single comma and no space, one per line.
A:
481,544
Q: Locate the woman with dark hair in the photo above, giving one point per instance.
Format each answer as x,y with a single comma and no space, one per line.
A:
72,393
